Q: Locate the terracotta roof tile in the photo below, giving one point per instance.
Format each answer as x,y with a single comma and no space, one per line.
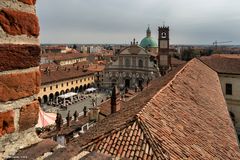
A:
96,68
181,116
62,74
223,64
98,156
66,56
37,150
176,62
74,125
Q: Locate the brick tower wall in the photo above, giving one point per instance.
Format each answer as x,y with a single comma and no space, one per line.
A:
19,74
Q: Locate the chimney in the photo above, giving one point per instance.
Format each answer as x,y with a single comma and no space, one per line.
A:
113,101
94,114
85,111
59,121
75,115
49,72
68,118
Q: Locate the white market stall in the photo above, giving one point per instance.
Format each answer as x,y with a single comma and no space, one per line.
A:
90,90
66,97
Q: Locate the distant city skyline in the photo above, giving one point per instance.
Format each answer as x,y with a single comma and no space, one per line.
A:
191,22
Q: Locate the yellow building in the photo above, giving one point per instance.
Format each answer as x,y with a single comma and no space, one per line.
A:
60,80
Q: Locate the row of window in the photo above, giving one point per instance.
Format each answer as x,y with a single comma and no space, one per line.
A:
128,62
73,61
62,85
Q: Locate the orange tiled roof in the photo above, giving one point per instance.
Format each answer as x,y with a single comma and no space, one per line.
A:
96,68
74,125
64,56
49,65
98,156
176,61
228,55
36,150
222,63
61,74
129,141
181,116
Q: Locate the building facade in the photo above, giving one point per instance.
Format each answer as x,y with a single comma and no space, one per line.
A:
61,81
63,59
228,68
132,67
231,89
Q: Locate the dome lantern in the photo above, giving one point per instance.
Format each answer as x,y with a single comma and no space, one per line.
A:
148,32
148,41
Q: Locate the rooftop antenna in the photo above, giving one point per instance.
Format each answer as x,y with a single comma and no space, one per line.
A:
163,23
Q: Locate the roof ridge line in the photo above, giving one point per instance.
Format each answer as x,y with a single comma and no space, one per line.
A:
150,139
163,88
121,127
207,65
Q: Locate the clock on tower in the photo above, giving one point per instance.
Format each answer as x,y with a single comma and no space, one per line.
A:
163,40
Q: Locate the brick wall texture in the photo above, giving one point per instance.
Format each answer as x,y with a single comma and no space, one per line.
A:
19,61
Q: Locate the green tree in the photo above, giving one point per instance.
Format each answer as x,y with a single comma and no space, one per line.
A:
188,54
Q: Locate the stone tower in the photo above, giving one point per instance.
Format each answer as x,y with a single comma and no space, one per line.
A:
164,59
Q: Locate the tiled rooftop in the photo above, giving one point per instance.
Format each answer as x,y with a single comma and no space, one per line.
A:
100,156
225,64
228,55
64,56
36,150
175,61
64,73
96,68
74,125
129,141
181,116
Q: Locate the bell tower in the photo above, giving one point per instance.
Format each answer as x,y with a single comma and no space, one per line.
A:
164,59
163,38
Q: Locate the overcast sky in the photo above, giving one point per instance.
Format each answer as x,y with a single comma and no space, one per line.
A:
119,21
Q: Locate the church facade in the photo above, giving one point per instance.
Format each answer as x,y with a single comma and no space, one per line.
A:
131,68
135,65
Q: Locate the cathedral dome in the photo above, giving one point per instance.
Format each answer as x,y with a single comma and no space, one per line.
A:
148,41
